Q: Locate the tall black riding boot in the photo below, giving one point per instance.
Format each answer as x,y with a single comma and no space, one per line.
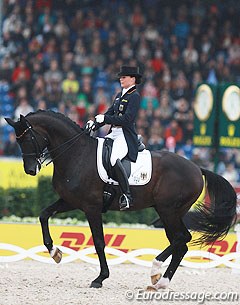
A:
125,201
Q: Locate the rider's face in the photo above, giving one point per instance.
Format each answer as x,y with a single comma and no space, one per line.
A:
127,81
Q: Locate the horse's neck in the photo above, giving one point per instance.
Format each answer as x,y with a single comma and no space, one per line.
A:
56,130
60,133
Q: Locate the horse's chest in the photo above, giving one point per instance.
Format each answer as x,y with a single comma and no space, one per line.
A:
66,185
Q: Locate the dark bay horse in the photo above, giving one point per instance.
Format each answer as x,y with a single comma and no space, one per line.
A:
175,185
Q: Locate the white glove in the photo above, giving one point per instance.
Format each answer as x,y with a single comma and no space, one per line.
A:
99,118
89,125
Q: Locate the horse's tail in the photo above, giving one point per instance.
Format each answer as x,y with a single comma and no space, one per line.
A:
215,220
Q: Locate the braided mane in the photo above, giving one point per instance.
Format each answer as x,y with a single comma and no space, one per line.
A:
57,115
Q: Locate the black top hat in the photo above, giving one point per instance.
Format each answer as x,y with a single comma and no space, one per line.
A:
130,71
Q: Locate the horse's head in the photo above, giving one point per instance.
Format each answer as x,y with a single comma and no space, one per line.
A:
31,142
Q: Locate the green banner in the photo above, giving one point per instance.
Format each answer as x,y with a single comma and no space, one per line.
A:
205,105
229,116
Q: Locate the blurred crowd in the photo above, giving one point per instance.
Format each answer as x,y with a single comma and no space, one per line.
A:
65,55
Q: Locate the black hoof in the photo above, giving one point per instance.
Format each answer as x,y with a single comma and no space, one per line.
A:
95,285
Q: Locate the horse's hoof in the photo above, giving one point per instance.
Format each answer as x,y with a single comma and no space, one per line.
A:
95,285
155,278
151,288
163,283
56,254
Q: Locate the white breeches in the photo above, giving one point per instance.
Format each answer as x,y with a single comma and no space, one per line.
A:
119,148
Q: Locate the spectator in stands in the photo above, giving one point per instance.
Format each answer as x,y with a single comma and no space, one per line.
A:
101,100
67,58
188,149
155,142
231,174
11,148
23,108
174,131
197,158
54,73
96,56
42,105
6,67
80,53
39,89
165,110
137,17
86,91
36,69
190,54
60,28
156,138
53,94
21,72
157,61
149,95
182,27
70,88
21,92
142,123
176,46
180,86
50,52
182,113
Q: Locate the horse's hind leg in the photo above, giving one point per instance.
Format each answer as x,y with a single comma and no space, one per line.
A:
59,206
160,259
178,236
157,263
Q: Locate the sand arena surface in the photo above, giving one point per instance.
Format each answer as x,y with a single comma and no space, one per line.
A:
30,282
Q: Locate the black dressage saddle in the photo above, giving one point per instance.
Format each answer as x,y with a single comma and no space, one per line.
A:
109,190
106,155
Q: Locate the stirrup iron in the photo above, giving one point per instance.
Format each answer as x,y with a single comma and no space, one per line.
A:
124,202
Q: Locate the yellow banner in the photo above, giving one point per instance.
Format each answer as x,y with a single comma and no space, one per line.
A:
77,238
12,174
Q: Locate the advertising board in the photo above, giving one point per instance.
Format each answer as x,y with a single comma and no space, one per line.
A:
20,241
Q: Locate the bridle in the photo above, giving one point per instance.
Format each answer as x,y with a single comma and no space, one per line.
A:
38,151
40,154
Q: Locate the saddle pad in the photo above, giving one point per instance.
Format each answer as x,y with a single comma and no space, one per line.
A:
141,171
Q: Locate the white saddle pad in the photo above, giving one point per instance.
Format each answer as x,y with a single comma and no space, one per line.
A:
141,171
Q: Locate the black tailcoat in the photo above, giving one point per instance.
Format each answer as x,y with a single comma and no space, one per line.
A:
123,112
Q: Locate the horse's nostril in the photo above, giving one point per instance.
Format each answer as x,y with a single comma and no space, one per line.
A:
32,173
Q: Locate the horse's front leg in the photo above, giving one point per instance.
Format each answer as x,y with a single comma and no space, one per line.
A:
59,206
95,222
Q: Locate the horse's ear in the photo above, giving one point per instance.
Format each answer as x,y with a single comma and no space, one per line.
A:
22,117
10,122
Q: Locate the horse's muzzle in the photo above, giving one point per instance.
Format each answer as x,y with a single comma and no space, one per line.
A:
32,170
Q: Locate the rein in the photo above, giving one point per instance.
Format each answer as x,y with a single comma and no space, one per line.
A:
74,139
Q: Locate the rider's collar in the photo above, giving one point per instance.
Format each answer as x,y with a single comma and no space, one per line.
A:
124,91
